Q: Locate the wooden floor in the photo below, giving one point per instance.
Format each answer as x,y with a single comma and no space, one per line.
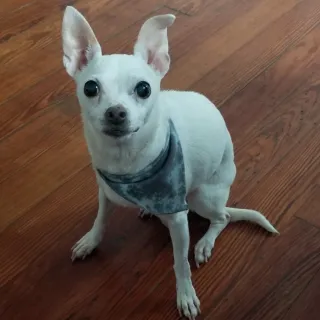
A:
259,61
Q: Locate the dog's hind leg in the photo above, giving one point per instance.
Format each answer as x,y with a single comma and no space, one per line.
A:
210,202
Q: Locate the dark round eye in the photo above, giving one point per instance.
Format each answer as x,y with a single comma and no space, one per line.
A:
91,89
143,90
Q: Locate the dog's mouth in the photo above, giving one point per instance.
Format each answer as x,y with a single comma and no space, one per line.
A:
119,133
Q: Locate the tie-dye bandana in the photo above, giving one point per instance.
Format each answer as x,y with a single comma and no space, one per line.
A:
160,187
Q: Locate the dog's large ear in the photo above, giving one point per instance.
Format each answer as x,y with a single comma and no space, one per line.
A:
152,43
80,44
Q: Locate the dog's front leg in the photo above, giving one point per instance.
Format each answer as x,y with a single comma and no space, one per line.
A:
92,238
187,301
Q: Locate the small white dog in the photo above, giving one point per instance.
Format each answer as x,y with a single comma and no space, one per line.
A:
165,152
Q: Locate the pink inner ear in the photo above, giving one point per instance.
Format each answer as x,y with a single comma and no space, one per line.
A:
150,56
83,60
158,64
158,61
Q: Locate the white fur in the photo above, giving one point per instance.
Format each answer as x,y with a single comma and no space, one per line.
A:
205,140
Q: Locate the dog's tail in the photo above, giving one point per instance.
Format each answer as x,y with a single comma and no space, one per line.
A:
252,216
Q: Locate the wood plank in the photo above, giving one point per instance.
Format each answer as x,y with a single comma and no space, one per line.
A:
309,211
47,33
283,114
9,6
227,40
30,185
32,141
258,54
283,181
15,23
276,276
223,284
61,219
186,29
188,7
307,305
31,103
43,44
197,29
273,86
54,211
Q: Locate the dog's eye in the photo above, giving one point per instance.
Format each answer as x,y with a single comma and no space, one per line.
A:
91,89
143,90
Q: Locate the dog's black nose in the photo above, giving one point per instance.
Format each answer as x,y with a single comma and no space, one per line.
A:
116,115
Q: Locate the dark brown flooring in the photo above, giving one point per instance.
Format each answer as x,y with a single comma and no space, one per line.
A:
259,61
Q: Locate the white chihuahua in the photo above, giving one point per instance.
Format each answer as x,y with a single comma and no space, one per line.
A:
165,152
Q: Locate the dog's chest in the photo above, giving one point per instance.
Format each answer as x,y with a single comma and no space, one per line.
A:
113,196
159,188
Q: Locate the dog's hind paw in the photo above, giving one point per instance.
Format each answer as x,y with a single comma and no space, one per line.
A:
202,251
143,214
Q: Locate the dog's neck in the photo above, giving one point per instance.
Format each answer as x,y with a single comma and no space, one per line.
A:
129,155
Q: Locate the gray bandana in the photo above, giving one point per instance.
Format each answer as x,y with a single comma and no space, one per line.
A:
160,187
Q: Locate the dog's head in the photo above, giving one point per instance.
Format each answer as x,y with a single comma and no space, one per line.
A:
116,92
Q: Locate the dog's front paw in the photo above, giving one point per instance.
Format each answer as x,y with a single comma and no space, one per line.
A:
85,245
187,301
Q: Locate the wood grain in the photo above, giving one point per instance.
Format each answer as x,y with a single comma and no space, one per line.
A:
309,210
295,260
258,60
19,72
188,7
259,53
232,285
62,159
227,40
36,264
307,304
280,117
31,103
